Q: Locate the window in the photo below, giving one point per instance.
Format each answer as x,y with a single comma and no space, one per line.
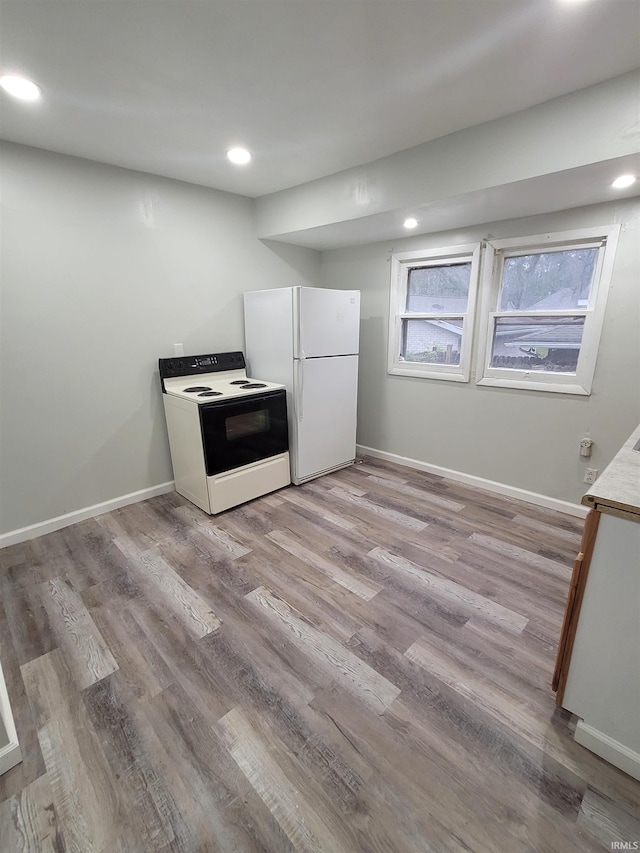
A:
433,296
544,301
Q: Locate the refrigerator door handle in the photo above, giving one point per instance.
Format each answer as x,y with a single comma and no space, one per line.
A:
299,387
299,329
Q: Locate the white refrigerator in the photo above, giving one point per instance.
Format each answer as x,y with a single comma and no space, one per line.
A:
307,339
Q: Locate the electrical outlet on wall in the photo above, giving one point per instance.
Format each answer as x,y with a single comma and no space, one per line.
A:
590,475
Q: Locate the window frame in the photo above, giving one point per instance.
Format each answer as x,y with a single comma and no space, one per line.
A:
605,239
401,264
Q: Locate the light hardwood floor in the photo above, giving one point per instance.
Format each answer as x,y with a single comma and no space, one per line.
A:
362,663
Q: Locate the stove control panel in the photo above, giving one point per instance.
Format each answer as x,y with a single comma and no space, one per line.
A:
191,365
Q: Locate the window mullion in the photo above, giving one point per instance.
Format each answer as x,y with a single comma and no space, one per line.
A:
578,312
414,316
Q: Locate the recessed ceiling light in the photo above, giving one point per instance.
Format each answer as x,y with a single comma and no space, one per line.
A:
240,156
410,222
20,87
624,181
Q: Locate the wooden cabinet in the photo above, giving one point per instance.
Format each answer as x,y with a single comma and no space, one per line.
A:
574,603
597,675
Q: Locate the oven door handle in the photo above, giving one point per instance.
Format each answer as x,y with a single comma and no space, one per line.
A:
299,387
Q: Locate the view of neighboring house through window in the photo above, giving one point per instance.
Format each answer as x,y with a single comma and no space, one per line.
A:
546,297
535,283
433,297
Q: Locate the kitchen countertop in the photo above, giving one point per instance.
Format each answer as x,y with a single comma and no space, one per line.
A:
617,489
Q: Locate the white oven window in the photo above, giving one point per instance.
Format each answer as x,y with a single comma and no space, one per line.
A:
249,423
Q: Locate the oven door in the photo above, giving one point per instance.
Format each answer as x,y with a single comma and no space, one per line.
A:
243,430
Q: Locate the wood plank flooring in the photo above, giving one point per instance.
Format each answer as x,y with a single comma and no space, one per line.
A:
362,663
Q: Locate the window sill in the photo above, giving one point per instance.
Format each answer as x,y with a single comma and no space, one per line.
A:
423,372
525,385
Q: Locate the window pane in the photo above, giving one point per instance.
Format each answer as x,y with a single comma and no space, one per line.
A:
439,290
550,344
431,341
548,281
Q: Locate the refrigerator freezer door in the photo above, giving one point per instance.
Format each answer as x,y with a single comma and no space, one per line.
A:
328,322
325,415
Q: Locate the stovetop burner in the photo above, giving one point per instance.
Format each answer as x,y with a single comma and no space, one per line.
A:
199,379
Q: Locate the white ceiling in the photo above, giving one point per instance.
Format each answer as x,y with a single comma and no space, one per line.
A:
310,86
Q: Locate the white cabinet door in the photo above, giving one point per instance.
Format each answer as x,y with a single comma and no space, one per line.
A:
329,322
325,431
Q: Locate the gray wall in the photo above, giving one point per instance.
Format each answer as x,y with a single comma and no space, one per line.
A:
525,439
102,270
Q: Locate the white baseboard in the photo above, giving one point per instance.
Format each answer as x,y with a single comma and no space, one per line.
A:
13,537
471,480
606,747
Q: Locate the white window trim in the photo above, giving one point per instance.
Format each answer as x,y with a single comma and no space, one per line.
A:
401,263
581,382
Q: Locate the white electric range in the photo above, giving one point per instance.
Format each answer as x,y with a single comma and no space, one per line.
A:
227,432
